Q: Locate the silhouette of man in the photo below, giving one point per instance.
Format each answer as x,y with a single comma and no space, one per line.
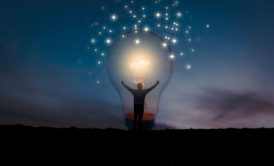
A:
139,101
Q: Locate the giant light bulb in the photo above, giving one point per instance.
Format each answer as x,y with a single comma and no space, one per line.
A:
140,57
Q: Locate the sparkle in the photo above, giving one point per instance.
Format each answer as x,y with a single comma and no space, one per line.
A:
137,41
165,17
207,26
179,14
158,14
108,41
175,3
146,29
113,17
92,40
171,56
174,40
98,82
164,44
188,66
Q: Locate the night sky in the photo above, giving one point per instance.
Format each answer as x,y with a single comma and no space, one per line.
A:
53,61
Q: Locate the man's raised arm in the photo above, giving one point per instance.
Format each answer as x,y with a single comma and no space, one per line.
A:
149,89
127,87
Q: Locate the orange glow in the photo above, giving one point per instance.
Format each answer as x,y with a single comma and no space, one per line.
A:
146,116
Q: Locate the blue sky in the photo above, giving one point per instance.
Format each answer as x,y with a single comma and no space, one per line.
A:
49,75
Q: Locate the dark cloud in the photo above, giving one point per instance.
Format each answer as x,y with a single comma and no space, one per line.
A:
229,105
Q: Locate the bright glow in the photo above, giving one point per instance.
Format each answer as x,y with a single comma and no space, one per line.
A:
146,29
174,40
164,44
179,14
137,41
92,40
207,26
108,41
140,64
113,17
158,14
172,56
188,67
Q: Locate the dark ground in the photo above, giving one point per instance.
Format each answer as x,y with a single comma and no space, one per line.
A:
166,147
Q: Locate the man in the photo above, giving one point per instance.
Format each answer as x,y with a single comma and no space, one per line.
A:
139,101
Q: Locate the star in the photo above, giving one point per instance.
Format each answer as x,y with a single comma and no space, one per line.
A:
171,56
92,40
207,26
188,66
146,29
113,17
174,40
179,14
158,15
164,44
108,41
137,41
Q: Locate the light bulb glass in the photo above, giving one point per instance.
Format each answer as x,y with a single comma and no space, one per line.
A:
140,57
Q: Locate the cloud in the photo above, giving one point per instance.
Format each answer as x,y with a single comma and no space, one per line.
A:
231,105
57,98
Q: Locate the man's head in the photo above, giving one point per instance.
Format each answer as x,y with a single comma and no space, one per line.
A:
139,86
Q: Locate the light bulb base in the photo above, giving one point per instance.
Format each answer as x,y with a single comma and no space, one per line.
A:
148,120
